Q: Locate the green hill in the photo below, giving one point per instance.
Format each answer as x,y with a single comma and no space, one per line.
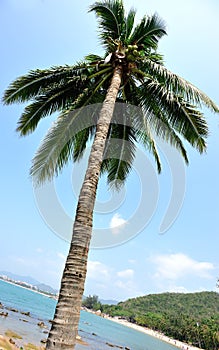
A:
192,317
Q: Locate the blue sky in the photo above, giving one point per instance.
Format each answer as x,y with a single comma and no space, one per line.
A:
43,33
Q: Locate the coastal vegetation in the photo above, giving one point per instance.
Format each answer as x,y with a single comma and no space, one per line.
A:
92,302
129,72
192,318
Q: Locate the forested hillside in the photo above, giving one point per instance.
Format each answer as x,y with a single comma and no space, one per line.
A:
192,317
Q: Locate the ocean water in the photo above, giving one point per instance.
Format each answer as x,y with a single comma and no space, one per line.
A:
96,331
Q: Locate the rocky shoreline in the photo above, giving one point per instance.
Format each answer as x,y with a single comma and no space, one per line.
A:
12,336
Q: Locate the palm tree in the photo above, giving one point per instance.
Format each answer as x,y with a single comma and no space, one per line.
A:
132,72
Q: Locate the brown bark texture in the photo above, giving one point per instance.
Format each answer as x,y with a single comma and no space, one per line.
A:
64,327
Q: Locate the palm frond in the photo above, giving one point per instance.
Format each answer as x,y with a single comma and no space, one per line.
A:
144,137
101,72
92,58
117,171
155,124
129,24
38,81
56,99
80,142
148,31
178,85
130,90
57,148
183,117
61,95
120,149
119,154
135,118
110,15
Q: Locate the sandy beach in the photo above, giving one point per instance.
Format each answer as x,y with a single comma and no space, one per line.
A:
158,335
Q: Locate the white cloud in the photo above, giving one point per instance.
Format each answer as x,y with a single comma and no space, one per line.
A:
127,289
129,273
107,283
181,289
175,266
177,289
126,285
117,223
97,271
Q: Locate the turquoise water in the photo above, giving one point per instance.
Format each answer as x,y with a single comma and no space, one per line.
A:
95,330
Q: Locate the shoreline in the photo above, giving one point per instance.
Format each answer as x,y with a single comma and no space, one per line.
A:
32,290
5,340
155,334
147,331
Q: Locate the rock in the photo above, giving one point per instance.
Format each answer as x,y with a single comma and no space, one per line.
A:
98,312
26,313
1,306
4,314
11,309
94,334
126,348
22,319
43,341
41,324
11,341
116,346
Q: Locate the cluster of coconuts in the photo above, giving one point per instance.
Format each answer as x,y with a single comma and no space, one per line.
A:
131,52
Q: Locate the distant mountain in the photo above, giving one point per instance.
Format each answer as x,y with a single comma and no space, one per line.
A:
198,305
46,288
13,276
30,280
189,317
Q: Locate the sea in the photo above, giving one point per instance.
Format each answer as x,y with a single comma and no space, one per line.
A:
98,332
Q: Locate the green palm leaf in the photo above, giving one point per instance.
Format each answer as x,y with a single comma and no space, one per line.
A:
181,115
129,24
110,15
52,100
57,148
155,124
148,32
93,58
80,142
38,81
178,85
119,154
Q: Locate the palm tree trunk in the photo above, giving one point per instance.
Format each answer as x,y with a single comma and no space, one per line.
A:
65,324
